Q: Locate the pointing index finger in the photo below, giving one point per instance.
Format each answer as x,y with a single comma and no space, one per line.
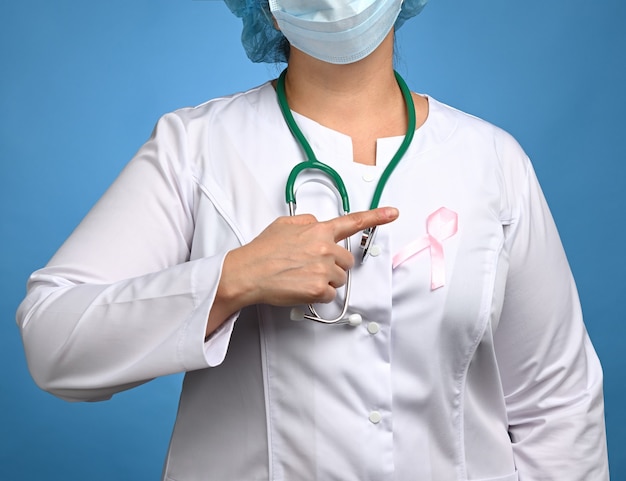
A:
349,224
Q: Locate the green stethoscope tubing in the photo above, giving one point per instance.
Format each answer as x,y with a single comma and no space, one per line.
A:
313,163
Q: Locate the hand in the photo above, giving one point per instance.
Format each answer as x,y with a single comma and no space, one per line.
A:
295,260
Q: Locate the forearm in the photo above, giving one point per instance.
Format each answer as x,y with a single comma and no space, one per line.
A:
89,341
236,289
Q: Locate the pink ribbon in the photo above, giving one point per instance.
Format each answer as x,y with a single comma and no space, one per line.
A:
440,225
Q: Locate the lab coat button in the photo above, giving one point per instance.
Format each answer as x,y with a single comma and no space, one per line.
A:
375,250
375,417
368,176
373,328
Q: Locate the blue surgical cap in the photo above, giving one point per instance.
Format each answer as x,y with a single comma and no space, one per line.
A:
264,43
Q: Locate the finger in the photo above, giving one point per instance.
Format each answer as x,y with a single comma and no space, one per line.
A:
347,225
343,258
320,291
338,277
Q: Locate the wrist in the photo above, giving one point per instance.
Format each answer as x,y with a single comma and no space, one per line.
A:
236,288
233,292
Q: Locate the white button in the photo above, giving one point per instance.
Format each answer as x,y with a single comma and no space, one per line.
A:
375,417
373,328
374,250
368,176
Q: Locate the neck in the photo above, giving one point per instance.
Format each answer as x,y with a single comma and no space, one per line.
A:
322,90
361,99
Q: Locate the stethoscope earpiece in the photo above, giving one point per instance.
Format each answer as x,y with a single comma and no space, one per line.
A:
355,320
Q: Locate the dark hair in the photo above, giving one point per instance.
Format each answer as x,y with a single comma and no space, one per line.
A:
284,47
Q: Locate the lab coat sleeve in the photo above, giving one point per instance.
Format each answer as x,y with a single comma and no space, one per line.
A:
551,376
120,303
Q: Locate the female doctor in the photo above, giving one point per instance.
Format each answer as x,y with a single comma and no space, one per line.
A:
462,354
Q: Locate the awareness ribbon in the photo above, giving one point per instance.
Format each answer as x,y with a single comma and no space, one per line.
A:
440,225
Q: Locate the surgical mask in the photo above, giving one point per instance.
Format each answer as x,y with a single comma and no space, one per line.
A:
336,31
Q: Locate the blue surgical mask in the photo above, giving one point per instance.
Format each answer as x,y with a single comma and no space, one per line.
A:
336,31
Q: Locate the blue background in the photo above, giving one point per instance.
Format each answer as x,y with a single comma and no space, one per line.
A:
82,84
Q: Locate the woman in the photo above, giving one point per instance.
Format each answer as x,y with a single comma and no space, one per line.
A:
471,360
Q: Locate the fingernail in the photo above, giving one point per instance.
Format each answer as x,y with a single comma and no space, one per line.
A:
391,212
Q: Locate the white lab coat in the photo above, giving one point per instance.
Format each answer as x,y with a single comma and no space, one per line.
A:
489,377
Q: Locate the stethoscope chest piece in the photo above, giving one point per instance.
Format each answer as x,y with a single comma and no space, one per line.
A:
367,239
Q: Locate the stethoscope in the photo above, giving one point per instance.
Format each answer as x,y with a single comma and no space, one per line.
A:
367,236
